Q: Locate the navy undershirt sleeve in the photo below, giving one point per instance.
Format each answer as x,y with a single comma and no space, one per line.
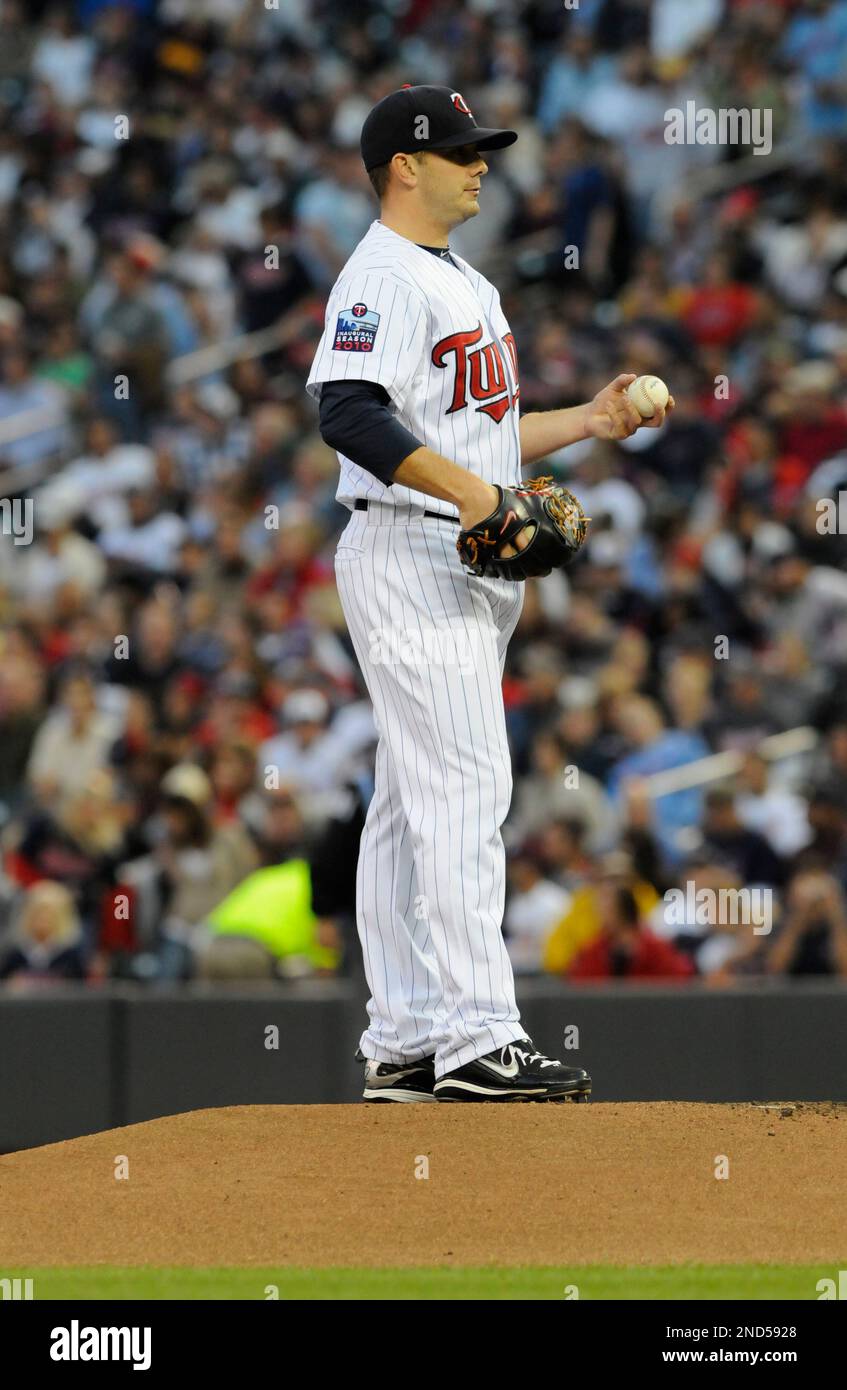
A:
356,420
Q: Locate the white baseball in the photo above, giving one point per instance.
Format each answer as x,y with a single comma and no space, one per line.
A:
648,394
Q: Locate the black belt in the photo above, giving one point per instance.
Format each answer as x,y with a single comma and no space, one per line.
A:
361,505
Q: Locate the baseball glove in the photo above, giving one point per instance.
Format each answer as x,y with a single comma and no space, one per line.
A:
558,523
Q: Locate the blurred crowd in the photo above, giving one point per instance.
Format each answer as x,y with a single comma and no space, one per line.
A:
186,745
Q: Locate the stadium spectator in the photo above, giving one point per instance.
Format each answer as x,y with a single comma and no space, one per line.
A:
656,749
734,844
192,867
22,693
151,658
557,787
72,743
624,947
582,924
306,753
46,941
778,814
78,844
267,927
127,334
707,917
534,905
828,822
23,392
574,74
813,936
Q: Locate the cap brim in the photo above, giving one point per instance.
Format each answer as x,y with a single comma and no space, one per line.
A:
483,137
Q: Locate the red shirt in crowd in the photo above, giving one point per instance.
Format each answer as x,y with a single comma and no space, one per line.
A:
717,315
816,440
651,959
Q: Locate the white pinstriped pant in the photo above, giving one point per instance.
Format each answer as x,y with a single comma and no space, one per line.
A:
431,640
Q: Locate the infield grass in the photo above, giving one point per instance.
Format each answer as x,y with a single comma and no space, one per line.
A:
707,1282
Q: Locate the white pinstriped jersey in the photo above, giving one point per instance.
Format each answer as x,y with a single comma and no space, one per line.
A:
434,335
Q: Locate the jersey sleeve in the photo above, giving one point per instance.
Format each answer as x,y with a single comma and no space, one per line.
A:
376,329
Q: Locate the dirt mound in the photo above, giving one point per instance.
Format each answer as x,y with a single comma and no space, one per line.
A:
511,1185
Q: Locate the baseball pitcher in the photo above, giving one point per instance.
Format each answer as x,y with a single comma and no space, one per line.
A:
417,379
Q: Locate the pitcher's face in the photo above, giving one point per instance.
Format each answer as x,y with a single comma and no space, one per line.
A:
450,183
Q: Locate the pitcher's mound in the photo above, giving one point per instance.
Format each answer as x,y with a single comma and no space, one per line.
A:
431,1185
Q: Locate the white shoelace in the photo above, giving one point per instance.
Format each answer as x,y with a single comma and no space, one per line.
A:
529,1057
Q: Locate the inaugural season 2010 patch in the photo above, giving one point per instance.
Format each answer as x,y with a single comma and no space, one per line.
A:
356,329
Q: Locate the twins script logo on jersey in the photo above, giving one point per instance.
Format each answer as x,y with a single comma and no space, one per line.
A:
356,329
480,372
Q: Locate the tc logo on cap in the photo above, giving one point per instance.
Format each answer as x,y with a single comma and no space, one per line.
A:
460,104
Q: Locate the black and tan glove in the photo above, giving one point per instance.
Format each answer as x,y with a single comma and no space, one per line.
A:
554,518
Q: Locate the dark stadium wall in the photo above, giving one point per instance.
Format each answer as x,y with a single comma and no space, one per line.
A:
84,1064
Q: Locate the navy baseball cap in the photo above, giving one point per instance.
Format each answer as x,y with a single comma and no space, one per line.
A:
394,125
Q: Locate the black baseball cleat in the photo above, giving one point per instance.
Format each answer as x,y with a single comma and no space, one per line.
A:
386,1081
514,1072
